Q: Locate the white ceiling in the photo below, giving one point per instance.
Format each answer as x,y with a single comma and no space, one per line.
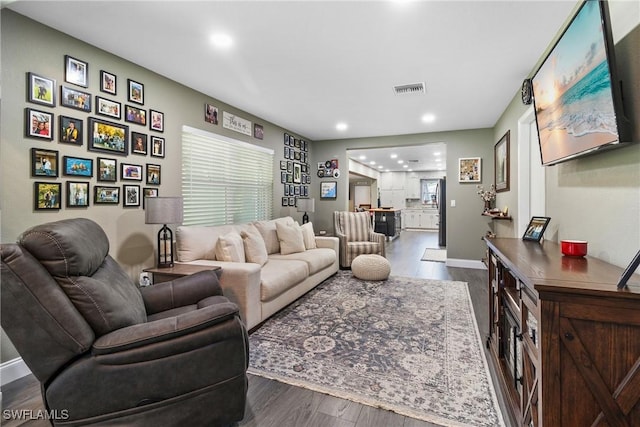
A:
426,157
306,65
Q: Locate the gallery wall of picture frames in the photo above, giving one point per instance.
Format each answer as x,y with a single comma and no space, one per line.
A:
295,171
118,129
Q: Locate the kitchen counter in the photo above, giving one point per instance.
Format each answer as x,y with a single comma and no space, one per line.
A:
384,210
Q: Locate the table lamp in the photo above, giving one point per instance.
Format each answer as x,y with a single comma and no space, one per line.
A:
164,210
306,205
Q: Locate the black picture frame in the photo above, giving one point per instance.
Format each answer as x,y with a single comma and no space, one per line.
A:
44,163
41,90
153,173
135,115
211,114
107,107
38,124
328,189
157,146
130,195
156,121
77,194
130,172
46,195
77,166
107,169
105,195
76,71
71,130
135,92
138,143
108,82
107,136
535,229
76,99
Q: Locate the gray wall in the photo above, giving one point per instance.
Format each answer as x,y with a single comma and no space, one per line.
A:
465,225
28,46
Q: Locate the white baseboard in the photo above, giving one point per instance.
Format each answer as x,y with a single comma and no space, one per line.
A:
466,263
12,370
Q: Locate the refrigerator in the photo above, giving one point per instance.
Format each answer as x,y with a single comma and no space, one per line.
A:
442,212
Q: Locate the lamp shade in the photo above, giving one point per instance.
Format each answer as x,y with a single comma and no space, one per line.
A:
306,205
163,210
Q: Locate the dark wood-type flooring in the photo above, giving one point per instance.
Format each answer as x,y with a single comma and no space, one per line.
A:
274,404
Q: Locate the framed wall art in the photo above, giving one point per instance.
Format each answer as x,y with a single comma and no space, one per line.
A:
107,169
103,195
536,228
41,90
157,146
153,174
258,131
210,114
138,143
106,107
130,172
47,195
328,189
131,195
157,121
470,169
38,124
149,192
135,92
71,130
107,136
44,163
77,99
502,163
76,71
135,115
77,194
108,82
76,166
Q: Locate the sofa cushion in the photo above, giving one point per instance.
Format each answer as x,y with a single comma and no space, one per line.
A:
316,259
268,231
230,248
278,276
194,242
290,237
255,249
308,235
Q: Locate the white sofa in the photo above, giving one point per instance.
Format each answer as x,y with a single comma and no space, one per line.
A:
260,290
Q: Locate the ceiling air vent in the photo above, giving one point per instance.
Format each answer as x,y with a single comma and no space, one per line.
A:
414,88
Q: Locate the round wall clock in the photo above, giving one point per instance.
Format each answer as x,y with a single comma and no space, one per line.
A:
526,93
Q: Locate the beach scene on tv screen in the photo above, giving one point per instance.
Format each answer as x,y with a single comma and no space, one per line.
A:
572,91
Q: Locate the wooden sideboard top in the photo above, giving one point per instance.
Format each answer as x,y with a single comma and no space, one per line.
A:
546,269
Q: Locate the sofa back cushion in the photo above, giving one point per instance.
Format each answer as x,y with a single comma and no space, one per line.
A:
194,242
268,231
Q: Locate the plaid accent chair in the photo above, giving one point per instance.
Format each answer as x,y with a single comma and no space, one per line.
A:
356,235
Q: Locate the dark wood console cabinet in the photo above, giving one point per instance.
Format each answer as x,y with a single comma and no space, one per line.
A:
564,339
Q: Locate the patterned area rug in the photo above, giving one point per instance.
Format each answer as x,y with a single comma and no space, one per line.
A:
408,345
430,254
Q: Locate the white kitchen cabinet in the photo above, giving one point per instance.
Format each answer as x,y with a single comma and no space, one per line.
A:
386,179
397,180
412,189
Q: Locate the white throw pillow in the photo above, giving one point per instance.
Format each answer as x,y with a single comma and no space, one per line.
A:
308,235
230,248
290,237
255,249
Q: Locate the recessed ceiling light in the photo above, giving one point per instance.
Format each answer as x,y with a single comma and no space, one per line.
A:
380,166
341,126
221,40
428,118
405,166
362,157
372,162
400,162
410,170
387,170
437,153
393,156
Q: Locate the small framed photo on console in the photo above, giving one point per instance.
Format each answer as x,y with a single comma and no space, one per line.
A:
536,228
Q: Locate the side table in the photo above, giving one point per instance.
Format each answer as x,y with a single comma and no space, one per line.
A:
178,270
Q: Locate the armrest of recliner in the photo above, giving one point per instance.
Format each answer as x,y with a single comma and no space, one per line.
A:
165,330
180,292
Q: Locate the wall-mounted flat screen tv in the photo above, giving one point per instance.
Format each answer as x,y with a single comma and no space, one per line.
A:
576,92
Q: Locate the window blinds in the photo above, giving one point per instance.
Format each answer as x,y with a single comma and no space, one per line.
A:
224,181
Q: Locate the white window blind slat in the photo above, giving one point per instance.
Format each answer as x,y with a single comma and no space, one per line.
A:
224,181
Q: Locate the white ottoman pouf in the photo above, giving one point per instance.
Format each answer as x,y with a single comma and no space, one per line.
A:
371,267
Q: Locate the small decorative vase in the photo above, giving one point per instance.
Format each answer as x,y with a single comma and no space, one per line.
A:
487,205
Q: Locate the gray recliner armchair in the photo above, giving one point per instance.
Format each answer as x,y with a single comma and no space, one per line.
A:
109,353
